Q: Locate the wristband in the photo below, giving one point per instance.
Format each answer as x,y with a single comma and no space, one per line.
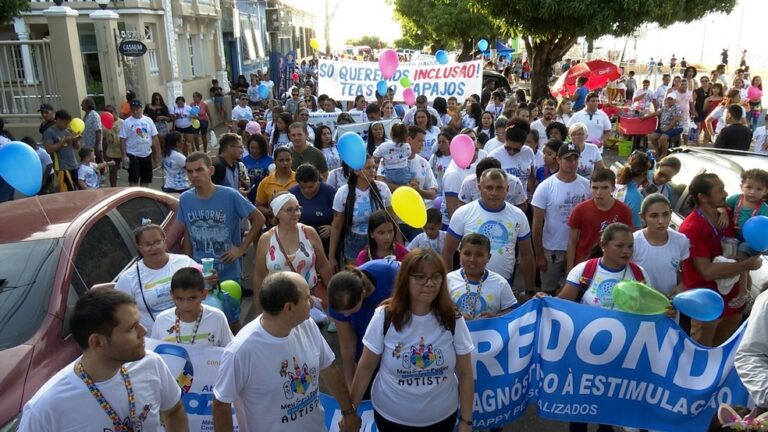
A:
465,421
352,410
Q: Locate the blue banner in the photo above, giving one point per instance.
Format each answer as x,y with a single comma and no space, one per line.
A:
588,364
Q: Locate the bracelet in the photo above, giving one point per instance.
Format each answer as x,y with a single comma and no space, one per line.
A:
352,410
463,420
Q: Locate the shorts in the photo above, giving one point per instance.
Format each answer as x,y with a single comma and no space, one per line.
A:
218,101
672,133
203,129
187,130
400,176
178,191
162,128
353,244
139,169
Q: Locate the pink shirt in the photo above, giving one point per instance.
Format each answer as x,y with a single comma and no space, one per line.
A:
400,253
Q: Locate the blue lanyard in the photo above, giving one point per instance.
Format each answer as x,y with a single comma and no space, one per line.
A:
718,233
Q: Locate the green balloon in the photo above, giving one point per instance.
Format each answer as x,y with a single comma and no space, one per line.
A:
233,288
638,298
405,82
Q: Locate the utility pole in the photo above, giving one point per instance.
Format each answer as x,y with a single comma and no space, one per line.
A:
327,33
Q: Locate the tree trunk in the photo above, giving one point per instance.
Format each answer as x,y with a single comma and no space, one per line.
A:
544,53
466,51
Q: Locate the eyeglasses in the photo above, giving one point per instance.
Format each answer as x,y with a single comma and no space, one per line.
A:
154,244
293,210
422,279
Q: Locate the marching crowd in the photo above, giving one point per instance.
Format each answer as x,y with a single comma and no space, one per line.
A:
537,200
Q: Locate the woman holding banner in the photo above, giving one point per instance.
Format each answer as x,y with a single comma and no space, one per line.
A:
417,325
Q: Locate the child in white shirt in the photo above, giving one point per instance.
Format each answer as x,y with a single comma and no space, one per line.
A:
88,176
394,156
432,237
191,322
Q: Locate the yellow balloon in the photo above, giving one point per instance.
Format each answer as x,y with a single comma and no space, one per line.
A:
360,58
76,126
196,123
314,43
409,206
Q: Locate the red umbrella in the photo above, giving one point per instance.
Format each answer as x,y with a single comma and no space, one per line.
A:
599,73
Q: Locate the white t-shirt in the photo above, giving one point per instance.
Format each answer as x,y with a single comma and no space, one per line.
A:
184,120
662,263
155,285
540,127
274,381
520,165
558,198
65,404
600,291
420,170
393,155
470,191
138,134
422,241
45,159
492,145
336,178
174,172
242,113
416,384
684,102
760,138
492,296
454,176
430,142
89,174
504,228
597,123
439,165
213,330
587,160
363,206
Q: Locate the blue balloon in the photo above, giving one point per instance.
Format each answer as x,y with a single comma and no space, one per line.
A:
263,91
214,301
194,111
755,232
482,45
381,88
441,57
701,304
20,167
352,150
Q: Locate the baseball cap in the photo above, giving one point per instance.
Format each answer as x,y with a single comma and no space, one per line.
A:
136,103
45,107
672,96
568,149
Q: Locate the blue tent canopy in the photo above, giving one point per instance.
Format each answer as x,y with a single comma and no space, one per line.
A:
503,49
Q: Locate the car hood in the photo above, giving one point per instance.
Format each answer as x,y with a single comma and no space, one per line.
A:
14,366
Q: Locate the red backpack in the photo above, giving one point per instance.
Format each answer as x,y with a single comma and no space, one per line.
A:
589,273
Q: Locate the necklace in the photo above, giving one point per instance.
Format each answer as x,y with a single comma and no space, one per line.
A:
177,326
473,297
737,211
117,424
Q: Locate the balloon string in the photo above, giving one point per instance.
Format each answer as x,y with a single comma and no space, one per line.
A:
394,217
61,245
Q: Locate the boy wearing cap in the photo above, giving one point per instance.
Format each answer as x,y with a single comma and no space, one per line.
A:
138,141
553,202
670,124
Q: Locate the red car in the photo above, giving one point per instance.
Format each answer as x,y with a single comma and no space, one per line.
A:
48,259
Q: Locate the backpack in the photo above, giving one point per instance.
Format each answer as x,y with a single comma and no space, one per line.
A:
589,273
388,323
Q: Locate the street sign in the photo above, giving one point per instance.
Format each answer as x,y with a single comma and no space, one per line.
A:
132,48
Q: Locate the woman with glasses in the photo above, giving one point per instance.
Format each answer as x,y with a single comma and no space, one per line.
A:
290,246
590,157
302,115
158,112
420,330
149,279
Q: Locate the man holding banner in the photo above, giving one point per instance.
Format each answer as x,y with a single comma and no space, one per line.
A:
271,368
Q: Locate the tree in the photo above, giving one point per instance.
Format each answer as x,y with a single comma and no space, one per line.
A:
549,28
406,43
9,9
444,24
371,41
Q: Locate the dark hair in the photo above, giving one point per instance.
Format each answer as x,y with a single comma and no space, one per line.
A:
373,195
414,130
344,118
476,239
581,81
434,216
277,290
319,136
228,139
431,121
652,199
440,105
141,229
28,140
591,96
515,134
89,103
282,150
520,123
198,155
560,127
492,129
399,132
345,290
95,313
287,119
180,98
449,134
475,112
371,143
482,138
533,133
606,236
637,164
484,164
701,184
671,162
520,96
62,115
756,174
172,138
735,111
375,220
188,278
84,152
306,173
372,108
399,305
259,139
603,175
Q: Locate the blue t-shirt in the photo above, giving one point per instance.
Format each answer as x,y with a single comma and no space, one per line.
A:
581,100
385,272
318,210
257,170
633,198
214,226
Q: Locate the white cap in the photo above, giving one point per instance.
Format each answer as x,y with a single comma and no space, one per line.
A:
672,96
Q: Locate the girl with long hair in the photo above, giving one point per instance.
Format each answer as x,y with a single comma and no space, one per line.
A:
324,142
174,172
157,110
377,135
381,239
279,136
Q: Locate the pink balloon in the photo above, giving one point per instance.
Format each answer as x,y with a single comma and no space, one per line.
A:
462,150
409,96
388,63
754,93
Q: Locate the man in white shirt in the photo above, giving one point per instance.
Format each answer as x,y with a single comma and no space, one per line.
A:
504,224
115,384
421,103
643,98
271,369
598,123
553,202
496,106
139,143
500,128
470,186
548,113
661,92
517,158
241,112
452,179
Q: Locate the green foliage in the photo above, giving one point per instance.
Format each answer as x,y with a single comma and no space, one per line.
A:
371,41
407,43
10,9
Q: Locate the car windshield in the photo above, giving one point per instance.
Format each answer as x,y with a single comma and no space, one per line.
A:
26,274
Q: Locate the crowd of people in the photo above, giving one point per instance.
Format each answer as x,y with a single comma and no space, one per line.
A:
537,212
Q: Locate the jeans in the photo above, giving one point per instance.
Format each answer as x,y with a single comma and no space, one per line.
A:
400,176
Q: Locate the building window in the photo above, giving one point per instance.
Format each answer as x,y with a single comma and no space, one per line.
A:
191,53
184,63
148,33
154,67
